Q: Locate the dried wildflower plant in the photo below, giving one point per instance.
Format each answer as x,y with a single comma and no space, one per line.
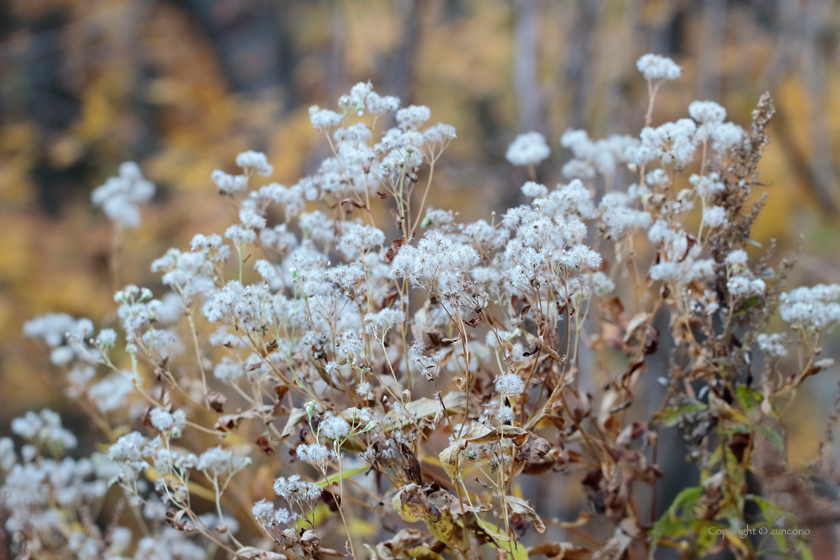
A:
309,385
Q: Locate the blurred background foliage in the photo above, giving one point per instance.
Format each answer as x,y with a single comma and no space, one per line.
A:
182,86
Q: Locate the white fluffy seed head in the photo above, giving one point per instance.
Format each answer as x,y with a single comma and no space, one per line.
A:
509,384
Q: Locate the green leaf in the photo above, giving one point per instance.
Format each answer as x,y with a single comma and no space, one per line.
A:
670,416
774,437
781,542
705,539
770,511
335,477
748,399
774,553
675,522
503,541
748,303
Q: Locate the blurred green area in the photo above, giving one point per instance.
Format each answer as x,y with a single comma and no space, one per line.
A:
182,86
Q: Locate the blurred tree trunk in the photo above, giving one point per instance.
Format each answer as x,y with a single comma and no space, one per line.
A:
817,17
526,84
253,45
666,31
52,103
398,69
145,114
579,60
709,64
800,29
620,110
787,23
621,66
335,71
5,545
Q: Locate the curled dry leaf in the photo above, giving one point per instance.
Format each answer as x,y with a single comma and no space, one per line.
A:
216,400
526,510
633,325
232,421
398,545
296,415
454,402
478,434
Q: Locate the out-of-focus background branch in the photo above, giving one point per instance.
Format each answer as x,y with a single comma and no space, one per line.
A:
182,86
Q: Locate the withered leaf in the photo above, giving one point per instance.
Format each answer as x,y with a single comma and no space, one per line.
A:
394,248
412,465
216,400
523,508
553,353
474,321
264,445
449,459
631,432
281,391
818,366
508,353
739,444
632,368
478,434
397,545
535,449
174,518
481,434
231,421
637,321
352,202
652,340
532,349
295,416
578,404
454,402
430,339
410,503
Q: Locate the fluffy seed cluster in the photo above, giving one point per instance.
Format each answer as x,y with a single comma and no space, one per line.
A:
528,149
655,67
119,196
811,308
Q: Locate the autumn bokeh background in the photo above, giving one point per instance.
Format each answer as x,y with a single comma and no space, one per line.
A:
182,86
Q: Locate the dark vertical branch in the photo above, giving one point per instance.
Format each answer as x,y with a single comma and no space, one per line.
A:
399,68
798,30
525,50
335,68
787,32
667,31
145,113
579,58
52,103
817,18
621,66
709,67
